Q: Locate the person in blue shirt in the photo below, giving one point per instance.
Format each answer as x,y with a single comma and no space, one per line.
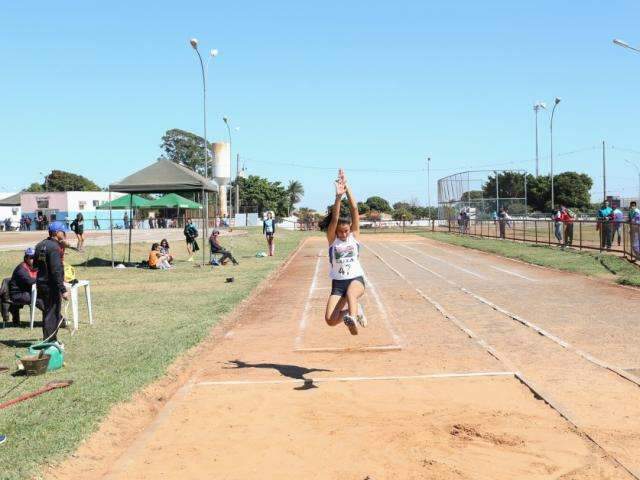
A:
269,230
605,215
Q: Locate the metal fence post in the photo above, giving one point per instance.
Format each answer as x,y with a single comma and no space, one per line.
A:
580,222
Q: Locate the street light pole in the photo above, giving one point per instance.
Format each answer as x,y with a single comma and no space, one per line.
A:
212,53
536,107
555,104
429,186
234,210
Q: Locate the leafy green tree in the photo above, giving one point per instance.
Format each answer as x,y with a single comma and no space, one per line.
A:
363,208
379,204
295,191
184,148
35,187
572,189
264,195
61,181
403,214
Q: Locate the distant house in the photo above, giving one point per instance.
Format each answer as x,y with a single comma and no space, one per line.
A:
64,206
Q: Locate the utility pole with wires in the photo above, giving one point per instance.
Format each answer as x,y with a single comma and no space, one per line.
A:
604,172
429,187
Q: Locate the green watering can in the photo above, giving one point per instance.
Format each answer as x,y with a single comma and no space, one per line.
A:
57,357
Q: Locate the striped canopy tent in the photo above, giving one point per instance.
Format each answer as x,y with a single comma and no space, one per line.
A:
164,176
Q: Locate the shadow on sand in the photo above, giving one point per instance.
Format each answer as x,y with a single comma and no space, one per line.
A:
291,371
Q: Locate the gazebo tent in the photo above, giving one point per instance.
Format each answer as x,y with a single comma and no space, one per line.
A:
163,176
173,200
126,201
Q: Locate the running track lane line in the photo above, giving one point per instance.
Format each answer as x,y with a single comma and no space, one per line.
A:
537,391
307,306
469,272
385,313
356,379
564,344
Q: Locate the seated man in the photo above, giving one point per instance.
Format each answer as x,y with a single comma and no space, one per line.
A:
219,249
23,278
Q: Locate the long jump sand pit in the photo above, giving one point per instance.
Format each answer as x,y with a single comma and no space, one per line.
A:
438,428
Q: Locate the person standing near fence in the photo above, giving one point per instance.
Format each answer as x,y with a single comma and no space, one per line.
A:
557,225
567,217
618,220
503,218
604,225
634,228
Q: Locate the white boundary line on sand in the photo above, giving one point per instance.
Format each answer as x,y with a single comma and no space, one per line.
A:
509,272
385,313
452,265
538,392
563,343
371,348
356,379
307,306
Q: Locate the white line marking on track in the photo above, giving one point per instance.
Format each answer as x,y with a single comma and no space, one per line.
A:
383,309
357,379
307,306
509,272
372,348
469,272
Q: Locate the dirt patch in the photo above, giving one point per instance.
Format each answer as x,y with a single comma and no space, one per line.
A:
471,432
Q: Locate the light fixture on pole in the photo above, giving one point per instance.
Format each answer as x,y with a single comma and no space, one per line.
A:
212,53
623,44
536,108
553,111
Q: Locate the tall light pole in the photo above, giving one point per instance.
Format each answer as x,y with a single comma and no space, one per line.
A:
555,104
212,53
623,44
429,186
536,108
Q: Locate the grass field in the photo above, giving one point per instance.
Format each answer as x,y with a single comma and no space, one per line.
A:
144,319
585,262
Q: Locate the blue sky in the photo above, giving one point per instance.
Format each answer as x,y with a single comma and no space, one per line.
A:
90,87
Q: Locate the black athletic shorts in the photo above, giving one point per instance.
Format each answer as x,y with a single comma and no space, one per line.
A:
339,287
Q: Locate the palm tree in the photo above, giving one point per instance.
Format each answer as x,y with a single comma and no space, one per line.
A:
295,191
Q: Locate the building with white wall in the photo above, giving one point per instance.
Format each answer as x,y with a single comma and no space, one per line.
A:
10,210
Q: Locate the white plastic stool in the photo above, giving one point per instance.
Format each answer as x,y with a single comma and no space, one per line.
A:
73,289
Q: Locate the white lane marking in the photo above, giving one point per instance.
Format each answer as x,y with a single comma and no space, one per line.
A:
307,306
533,326
449,264
509,272
357,379
383,309
373,348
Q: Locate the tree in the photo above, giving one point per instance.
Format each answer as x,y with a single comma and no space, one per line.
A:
35,187
184,148
572,189
363,208
61,181
259,192
403,214
379,204
295,191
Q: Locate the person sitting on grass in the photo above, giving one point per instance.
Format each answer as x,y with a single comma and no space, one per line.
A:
164,249
216,248
157,260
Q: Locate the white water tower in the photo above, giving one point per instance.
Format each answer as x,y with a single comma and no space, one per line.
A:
222,171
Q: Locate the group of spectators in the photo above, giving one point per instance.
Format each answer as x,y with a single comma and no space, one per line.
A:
610,222
563,219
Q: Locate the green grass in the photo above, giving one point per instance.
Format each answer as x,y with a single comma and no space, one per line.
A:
144,319
587,263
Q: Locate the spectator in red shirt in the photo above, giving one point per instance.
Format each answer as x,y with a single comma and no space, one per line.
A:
567,217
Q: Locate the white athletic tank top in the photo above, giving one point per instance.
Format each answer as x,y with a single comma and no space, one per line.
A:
344,257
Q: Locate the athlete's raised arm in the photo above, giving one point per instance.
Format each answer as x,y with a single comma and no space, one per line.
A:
335,210
353,206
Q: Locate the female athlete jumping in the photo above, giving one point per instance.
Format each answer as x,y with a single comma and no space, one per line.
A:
347,276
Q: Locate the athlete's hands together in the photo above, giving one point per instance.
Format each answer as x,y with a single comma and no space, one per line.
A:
341,183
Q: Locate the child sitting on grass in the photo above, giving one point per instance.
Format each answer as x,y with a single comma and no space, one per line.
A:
157,260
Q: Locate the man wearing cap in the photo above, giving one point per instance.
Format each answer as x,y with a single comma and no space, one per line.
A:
50,279
22,279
